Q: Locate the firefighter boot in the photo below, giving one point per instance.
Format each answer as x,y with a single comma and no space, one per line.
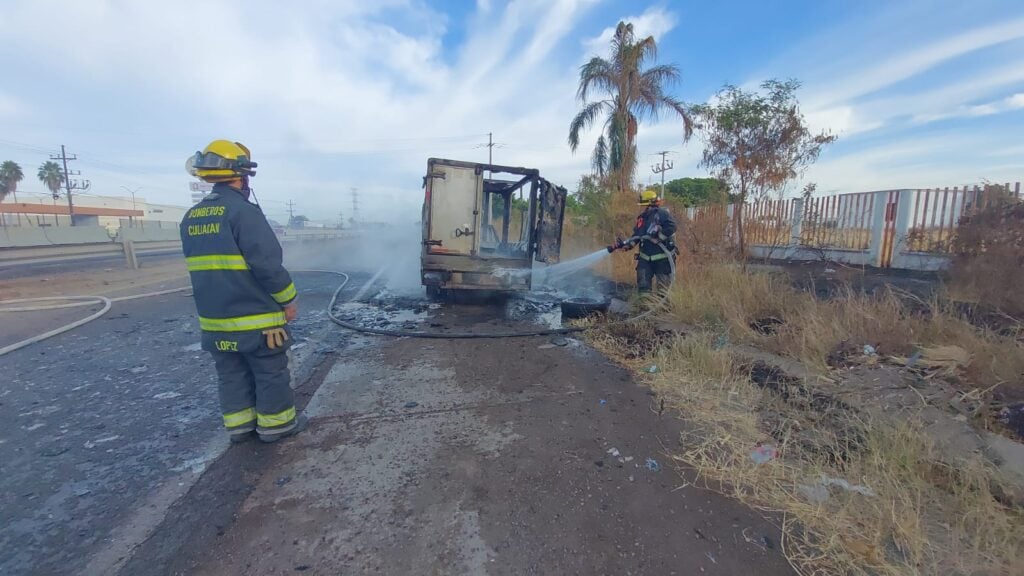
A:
301,422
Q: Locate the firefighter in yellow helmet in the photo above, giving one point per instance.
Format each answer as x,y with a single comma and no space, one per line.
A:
654,228
244,296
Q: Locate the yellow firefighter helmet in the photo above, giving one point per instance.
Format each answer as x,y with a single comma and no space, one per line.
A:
221,161
648,197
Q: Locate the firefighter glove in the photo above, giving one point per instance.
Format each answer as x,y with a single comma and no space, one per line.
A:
276,337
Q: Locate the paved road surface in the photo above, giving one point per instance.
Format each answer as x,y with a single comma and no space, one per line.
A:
103,427
439,457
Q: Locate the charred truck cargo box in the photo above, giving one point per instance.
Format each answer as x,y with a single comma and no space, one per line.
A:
484,225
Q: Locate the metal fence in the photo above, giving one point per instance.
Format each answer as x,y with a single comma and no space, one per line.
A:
884,228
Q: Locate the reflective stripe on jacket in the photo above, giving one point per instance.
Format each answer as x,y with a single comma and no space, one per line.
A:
661,217
234,259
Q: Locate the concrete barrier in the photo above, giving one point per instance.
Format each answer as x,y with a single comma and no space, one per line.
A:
22,237
62,236
148,234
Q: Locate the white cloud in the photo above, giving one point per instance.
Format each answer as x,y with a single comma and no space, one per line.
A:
1008,104
655,21
909,63
346,84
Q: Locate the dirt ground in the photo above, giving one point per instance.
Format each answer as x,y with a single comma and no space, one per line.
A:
477,457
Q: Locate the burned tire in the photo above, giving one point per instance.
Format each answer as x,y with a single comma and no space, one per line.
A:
583,307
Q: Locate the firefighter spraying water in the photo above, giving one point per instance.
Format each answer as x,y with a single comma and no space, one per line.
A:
654,232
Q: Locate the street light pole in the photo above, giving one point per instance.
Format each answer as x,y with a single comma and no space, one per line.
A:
132,192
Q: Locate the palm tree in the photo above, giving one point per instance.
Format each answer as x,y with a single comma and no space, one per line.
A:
10,175
634,93
52,177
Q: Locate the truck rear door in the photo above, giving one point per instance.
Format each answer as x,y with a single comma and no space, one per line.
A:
453,200
548,236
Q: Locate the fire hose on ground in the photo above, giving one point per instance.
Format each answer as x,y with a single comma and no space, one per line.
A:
107,304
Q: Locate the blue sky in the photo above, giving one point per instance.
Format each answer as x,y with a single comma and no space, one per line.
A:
332,95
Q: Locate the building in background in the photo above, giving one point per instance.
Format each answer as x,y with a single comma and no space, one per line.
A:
111,212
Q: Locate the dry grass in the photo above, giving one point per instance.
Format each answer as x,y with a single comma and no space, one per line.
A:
922,517
721,297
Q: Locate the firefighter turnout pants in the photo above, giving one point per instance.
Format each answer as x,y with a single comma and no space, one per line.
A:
255,391
647,271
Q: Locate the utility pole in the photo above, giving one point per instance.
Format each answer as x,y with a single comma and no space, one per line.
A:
291,212
665,166
82,185
491,145
355,204
341,219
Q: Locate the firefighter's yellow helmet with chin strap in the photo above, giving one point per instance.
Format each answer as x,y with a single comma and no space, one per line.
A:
648,197
221,161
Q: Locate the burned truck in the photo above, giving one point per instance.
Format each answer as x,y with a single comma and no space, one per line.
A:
484,225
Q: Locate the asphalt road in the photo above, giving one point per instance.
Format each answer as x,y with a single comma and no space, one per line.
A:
103,427
525,456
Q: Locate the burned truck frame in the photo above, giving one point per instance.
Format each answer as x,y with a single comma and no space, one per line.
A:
469,242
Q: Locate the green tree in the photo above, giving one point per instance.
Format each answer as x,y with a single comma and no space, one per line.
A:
10,175
590,199
633,92
696,191
52,177
757,142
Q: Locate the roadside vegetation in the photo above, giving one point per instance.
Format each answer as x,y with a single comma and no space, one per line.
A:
863,421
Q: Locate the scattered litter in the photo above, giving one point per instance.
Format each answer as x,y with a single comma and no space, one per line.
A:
830,270
283,480
870,350
197,347
602,402
764,453
138,369
653,465
546,346
614,452
166,395
763,542
411,404
652,369
92,444
710,557
434,306
559,341
701,535
946,359
627,459
818,492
